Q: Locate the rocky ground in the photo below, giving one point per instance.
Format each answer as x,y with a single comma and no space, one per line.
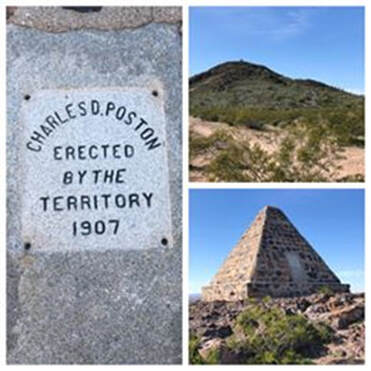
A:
213,323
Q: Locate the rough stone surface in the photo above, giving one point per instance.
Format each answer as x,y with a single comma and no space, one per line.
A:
108,306
94,169
167,14
10,11
272,258
57,19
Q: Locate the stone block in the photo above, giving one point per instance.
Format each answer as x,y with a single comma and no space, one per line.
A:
115,302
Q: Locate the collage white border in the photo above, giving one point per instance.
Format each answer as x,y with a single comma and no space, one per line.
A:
186,185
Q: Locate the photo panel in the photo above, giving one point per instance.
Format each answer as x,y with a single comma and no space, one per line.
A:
94,180
276,94
276,276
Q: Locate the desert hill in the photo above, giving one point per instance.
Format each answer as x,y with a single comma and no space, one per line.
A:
246,84
269,127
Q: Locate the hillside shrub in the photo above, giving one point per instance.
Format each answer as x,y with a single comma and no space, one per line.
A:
306,154
266,335
326,290
345,123
195,357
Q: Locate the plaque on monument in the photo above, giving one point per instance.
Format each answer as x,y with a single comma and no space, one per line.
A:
94,170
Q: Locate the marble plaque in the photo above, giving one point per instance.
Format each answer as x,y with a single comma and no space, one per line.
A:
94,171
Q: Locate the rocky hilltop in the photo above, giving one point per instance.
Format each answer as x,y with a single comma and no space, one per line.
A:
321,328
244,84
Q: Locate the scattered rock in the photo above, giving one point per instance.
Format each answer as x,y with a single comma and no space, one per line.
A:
210,345
344,317
213,323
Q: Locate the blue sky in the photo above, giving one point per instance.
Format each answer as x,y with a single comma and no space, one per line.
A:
322,43
332,221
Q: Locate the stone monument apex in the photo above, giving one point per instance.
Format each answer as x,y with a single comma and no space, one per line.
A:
271,259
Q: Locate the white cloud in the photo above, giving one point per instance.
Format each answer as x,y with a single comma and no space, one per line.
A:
270,22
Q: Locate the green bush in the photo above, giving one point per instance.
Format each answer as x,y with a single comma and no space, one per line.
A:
195,357
266,335
325,290
345,123
199,144
306,154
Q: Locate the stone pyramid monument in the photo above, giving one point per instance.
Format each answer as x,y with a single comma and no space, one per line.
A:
272,258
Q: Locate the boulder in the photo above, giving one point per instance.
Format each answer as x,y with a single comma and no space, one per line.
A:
344,317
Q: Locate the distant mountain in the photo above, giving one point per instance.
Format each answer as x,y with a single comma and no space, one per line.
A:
244,84
193,298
